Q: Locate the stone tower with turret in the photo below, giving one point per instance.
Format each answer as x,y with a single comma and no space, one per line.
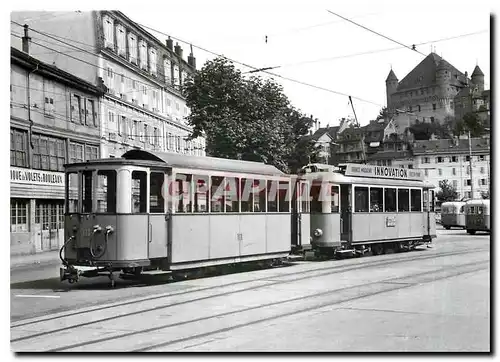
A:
477,78
391,86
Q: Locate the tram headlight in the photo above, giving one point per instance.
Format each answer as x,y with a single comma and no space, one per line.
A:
318,233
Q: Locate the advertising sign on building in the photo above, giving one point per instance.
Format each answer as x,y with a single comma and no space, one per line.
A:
36,177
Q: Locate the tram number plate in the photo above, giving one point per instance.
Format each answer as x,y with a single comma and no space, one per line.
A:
390,221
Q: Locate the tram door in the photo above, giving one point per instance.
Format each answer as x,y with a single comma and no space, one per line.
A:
302,205
345,213
158,223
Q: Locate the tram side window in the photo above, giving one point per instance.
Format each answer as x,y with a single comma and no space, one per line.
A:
272,200
479,210
335,199
231,194
432,201
182,194
200,193
316,205
416,200
156,200
376,199
259,195
361,199
390,200
87,191
403,200
246,195
217,194
106,191
139,196
284,196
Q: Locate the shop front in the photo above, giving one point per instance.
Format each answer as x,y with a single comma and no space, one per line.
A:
37,210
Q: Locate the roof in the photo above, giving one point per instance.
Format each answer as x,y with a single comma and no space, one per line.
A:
447,146
477,71
332,132
424,74
50,71
391,76
204,163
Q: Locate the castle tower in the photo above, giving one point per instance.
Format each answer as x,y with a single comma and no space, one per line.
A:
391,85
477,78
443,74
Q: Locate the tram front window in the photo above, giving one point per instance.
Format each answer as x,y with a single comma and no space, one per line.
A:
156,201
376,199
139,195
335,199
87,191
106,191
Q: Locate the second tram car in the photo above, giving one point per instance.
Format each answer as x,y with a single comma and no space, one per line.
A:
162,211
453,214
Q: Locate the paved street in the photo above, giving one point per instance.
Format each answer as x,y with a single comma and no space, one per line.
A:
427,300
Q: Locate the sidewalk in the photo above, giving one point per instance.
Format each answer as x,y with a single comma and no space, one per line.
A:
44,258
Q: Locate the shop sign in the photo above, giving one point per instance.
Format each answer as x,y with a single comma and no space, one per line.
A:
36,177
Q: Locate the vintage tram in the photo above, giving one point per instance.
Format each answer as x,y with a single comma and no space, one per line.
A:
453,214
150,211
477,216
372,208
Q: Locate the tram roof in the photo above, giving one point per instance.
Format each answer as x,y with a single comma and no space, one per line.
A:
477,202
204,162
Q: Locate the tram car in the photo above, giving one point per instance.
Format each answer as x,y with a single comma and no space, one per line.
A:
150,211
371,208
453,214
477,216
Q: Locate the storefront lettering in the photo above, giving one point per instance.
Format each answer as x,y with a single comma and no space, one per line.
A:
36,177
383,172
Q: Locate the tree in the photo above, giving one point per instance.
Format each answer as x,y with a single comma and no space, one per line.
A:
248,119
448,192
424,131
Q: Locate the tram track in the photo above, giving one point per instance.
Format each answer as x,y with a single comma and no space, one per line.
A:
316,272
346,294
340,268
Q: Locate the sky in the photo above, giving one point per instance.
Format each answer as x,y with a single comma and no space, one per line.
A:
314,46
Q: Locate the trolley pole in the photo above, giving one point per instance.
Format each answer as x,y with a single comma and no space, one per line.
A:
470,166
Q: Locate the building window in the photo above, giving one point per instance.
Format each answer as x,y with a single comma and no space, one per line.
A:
432,120
135,129
108,33
440,172
418,107
90,114
176,75
426,171
75,152
120,40
482,170
152,61
146,135
18,148
49,105
483,181
132,48
433,106
91,153
167,65
48,153
455,184
18,215
454,158
76,109
481,158
143,54
467,158
454,171
47,212
440,159
467,182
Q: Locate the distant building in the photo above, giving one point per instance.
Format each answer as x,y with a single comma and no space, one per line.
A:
54,119
428,92
449,160
324,140
143,106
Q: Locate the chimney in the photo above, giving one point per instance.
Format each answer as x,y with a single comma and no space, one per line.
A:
170,44
192,59
178,50
26,40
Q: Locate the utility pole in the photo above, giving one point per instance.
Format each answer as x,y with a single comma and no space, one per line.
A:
470,166
362,135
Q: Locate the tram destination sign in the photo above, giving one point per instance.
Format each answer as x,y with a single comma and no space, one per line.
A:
384,172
